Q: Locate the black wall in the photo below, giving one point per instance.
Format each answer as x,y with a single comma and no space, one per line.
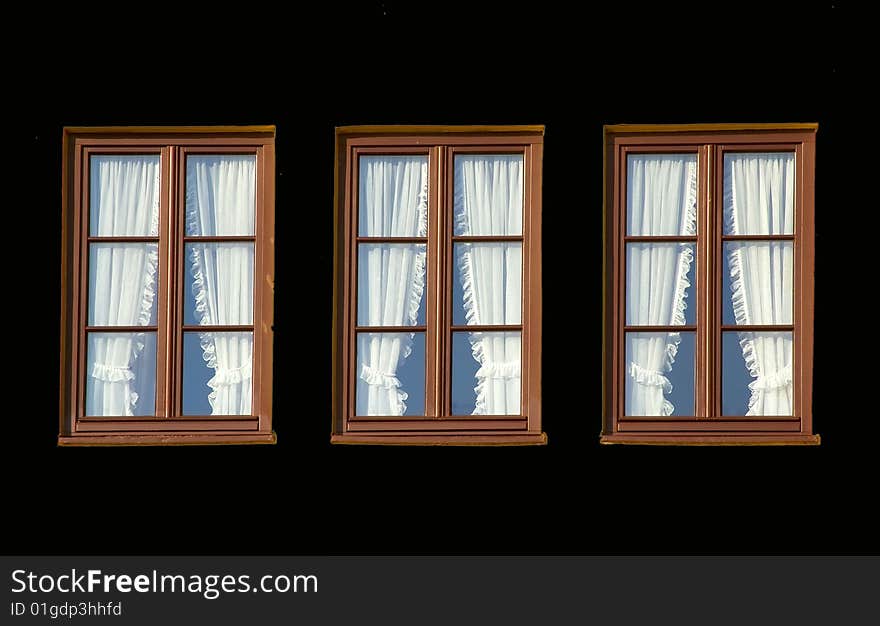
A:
446,65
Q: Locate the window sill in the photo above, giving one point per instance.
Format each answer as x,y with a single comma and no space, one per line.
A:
702,439
421,439
176,439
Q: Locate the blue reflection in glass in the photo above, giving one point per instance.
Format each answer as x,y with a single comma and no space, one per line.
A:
464,375
735,377
682,376
411,374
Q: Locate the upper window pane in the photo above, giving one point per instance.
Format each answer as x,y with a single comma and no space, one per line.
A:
393,196
124,195
122,284
659,277
488,194
391,284
661,194
758,282
221,283
487,288
759,193
220,194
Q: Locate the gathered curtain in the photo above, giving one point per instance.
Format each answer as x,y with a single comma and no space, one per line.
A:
393,202
489,201
124,201
759,199
220,196
661,200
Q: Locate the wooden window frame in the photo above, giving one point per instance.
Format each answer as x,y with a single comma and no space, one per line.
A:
709,142
437,426
168,426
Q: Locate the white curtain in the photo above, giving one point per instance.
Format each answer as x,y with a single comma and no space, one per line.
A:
220,201
489,201
759,199
661,200
393,202
124,201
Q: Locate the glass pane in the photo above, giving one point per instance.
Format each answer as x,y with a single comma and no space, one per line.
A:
661,194
759,193
390,374
659,282
124,192
757,282
488,194
486,373
391,284
121,374
221,290
659,374
220,194
756,373
217,373
487,288
393,196
122,284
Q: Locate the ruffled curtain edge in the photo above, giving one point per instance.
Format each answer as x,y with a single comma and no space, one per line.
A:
738,295
106,373
679,298
368,374
469,301
206,339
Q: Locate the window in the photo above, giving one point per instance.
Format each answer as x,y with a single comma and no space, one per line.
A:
708,304
437,311
167,274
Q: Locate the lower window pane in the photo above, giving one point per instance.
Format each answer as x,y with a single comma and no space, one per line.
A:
121,374
217,373
486,373
756,373
390,374
659,374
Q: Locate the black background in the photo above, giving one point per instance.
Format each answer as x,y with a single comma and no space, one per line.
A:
451,63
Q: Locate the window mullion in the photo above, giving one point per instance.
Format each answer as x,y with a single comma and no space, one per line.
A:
441,306
173,288
717,267
433,344
705,286
447,216
162,336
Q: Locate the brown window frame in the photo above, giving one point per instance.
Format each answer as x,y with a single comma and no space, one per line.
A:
168,426
437,426
709,142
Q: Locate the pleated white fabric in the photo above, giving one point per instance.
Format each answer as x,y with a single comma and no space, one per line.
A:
489,201
124,201
392,202
220,197
759,199
661,200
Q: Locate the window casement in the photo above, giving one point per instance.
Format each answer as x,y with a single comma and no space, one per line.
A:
708,284
167,285
437,274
